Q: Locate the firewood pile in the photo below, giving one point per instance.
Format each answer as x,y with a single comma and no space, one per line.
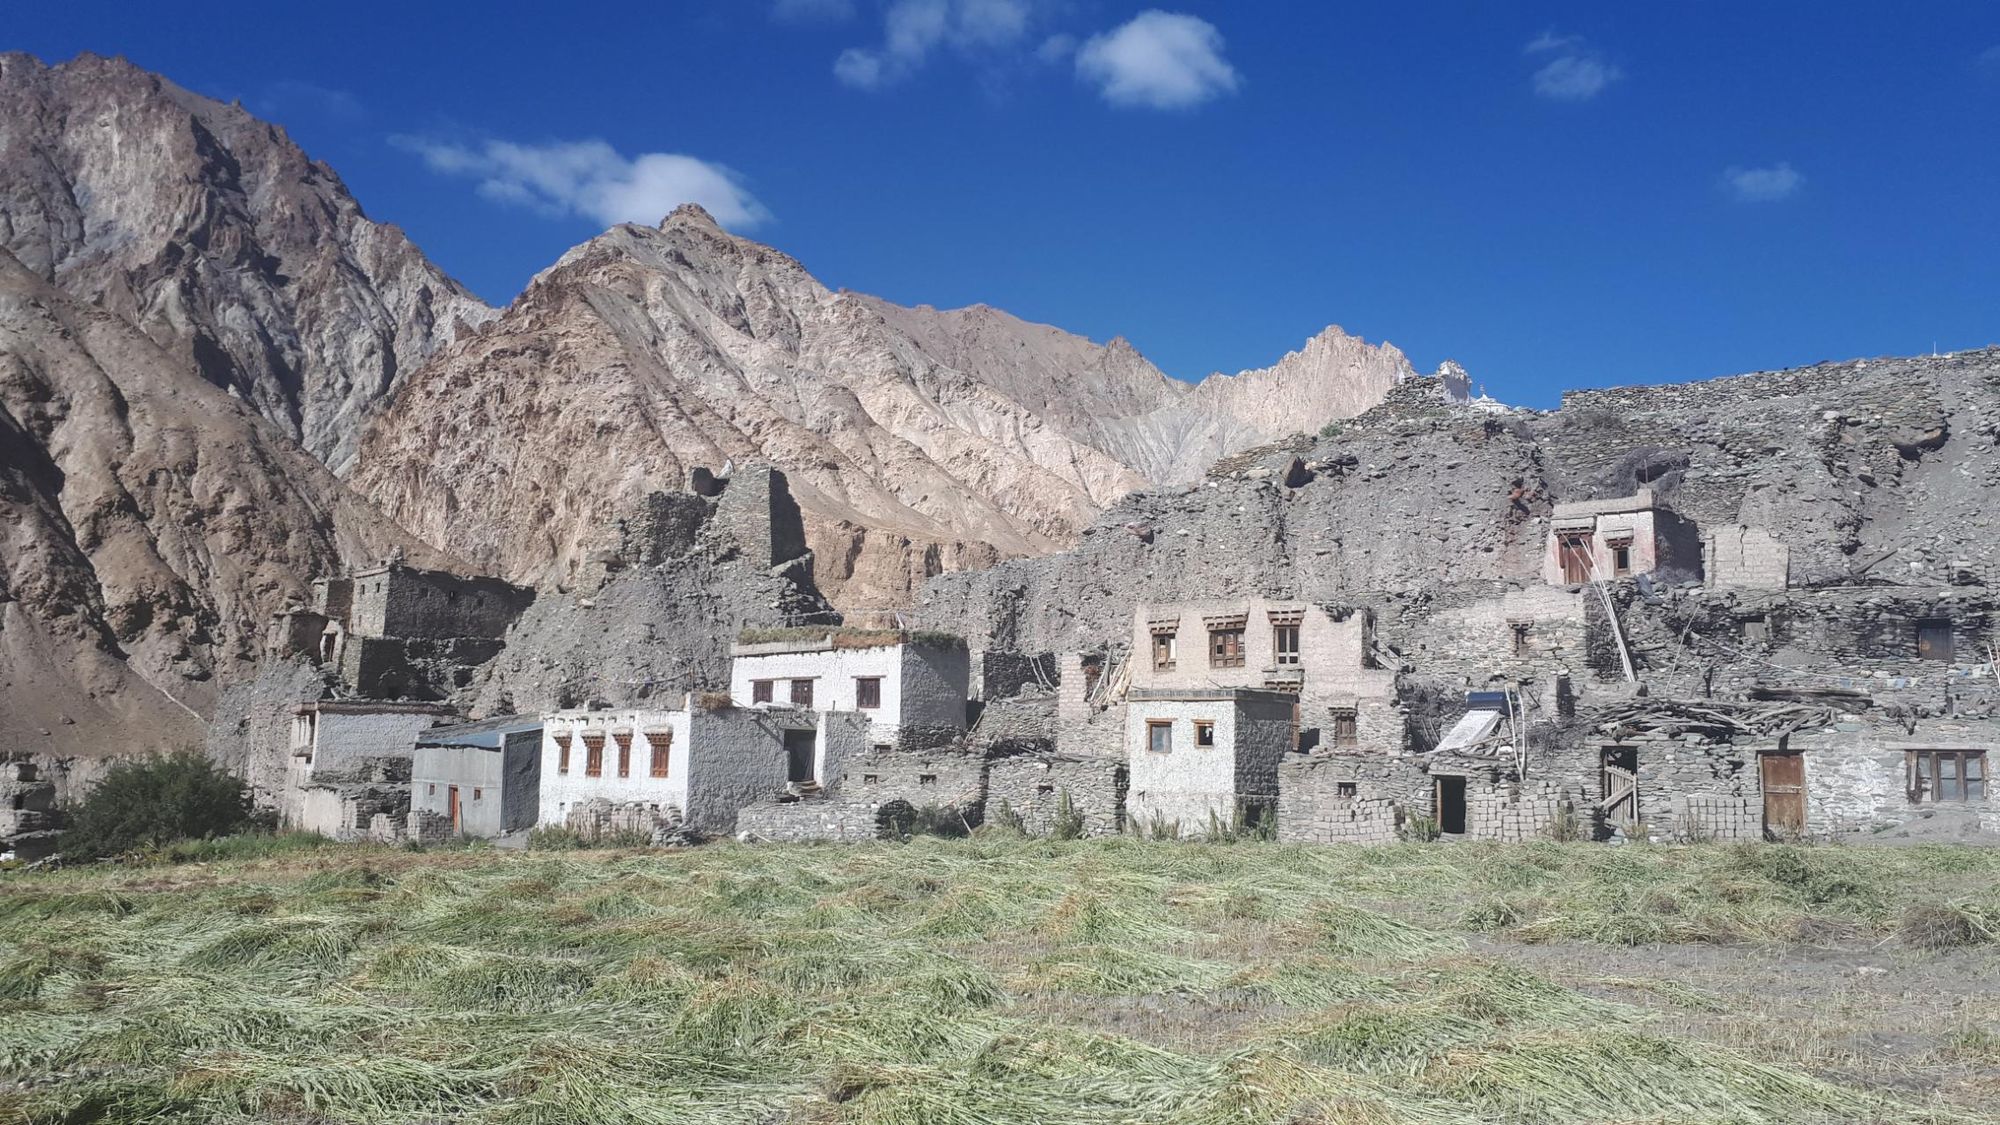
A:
1716,720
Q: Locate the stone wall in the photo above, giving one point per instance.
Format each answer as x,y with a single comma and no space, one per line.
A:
597,818
1514,813
1718,819
828,819
1320,802
1003,674
1033,786
1745,557
757,517
944,777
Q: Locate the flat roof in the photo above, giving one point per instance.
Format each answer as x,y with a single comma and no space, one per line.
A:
1211,694
485,734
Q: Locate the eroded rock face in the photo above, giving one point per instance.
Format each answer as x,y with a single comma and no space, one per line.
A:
214,234
149,524
917,441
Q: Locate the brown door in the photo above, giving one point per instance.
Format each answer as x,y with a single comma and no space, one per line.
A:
1574,552
453,797
1934,640
1784,777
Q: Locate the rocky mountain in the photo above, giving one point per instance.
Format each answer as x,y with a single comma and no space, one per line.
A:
149,524
917,440
214,234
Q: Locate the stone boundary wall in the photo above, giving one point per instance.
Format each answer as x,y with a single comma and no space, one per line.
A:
596,818
832,820
1032,786
1311,809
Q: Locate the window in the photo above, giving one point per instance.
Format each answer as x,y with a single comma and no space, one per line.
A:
868,692
1163,652
1225,648
1204,733
802,693
1285,640
1934,639
661,744
430,790
1044,789
562,753
1344,789
593,755
926,779
760,691
1520,630
1757,630
477,792
624,740
1160,736
1946,775
1346,728
1621,558
870,778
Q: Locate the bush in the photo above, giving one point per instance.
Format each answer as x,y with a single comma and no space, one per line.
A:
1942,926
153,802
1068,821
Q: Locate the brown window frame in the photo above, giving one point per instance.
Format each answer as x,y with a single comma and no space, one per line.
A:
1164,656
660,753
624,742
1621,559
1204,734
867,693
793,691
1920,766
763,691
1282,655
477,792
1344,728
593,755
562,753
1225,647
1153,726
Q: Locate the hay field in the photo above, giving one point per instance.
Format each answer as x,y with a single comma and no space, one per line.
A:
1008,981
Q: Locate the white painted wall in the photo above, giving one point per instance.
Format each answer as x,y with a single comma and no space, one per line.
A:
1189,782
833,671
561,789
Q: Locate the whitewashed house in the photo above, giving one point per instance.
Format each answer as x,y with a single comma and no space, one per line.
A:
912,687
1201,756
696,764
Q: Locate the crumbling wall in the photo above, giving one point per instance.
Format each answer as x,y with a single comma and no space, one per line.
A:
1000,674
1514,813
251,733
1032,788
1746,558
941,776
823,819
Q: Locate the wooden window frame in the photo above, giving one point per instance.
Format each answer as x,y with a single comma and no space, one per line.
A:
660,753
1204,734
1521,631
477,792
1920,766
763,691
1153,726
562,753
1350,738
1621,559
811,694
624,742
1225,647
1281,656
1164,655
593,755
868,693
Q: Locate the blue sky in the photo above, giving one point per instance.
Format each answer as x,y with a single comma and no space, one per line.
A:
1556,195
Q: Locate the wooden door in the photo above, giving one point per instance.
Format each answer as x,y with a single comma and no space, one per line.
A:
1574,553
1784,780
452,796
800,747
1934,640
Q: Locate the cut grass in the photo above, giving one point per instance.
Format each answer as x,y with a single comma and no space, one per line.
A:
989,980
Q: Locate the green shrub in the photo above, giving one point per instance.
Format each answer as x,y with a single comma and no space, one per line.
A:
153,802
1068,822
1419,829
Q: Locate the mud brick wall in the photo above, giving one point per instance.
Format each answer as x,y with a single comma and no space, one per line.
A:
597,818
834,819
1032,786
1698,819
1746,557
1511,815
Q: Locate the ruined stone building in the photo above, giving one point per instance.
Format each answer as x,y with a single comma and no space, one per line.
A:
349,762
29,822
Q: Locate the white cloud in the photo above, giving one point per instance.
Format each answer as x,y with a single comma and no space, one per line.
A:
1763,185
913,29
1577,73
812,11
1160,60
1056,48
591,179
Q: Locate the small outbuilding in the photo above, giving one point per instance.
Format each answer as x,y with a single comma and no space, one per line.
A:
1197,758
478,779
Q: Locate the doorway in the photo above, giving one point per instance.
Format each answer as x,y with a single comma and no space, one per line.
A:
451,798
1448,800
1784,780
1618,784
1573,551
800,747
